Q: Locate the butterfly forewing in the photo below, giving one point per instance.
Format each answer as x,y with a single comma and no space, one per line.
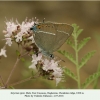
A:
48,42
46,27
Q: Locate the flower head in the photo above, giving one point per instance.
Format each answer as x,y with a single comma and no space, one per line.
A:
35,60
11,27
19,32
48,68
8,41
3,52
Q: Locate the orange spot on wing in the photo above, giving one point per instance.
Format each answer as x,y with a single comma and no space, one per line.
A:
38,26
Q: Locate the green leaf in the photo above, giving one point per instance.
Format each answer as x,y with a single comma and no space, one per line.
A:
86,58
22,59
69,42
69,73
90,79
83,42
76,31
76,27
18,53
32,73
67,55
96,81
97,36
32,52
11,87
79,32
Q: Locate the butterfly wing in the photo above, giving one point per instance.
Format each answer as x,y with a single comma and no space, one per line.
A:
63,32
49,42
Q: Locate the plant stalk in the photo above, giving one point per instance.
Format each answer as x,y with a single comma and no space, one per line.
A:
77,62
2,80
9,77
22,81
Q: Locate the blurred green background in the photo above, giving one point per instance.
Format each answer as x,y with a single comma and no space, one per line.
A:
86,14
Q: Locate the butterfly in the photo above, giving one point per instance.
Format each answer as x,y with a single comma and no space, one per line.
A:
50,36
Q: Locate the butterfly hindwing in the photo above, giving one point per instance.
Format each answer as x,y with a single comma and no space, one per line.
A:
63,33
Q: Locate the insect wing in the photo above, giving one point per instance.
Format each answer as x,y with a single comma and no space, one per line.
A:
49,42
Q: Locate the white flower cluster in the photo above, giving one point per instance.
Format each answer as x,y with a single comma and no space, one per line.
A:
48,65
3,52
17,31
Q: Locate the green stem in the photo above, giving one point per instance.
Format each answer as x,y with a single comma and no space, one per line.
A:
96,81
24,80
77,62
11,73
9,77
2,80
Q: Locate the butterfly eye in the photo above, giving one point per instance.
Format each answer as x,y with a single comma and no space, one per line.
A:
31,28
